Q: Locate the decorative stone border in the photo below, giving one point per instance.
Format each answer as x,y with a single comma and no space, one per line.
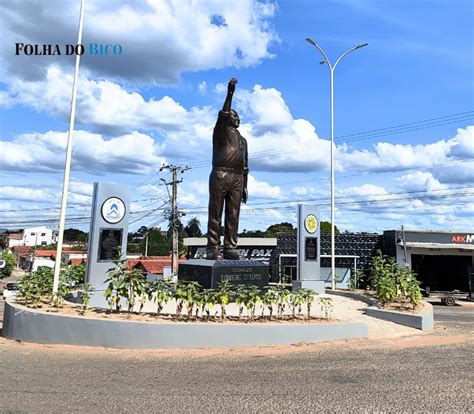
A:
423,320
30,325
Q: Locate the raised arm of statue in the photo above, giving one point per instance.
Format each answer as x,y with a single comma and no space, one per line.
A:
230,93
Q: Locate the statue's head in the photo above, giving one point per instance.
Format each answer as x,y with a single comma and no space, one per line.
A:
234,119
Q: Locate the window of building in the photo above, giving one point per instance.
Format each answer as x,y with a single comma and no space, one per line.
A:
43,243
32,234
43,234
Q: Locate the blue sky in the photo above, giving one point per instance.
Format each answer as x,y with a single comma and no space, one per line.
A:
404,110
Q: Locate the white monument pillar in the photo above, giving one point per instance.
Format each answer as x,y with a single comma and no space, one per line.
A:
308,261
107,236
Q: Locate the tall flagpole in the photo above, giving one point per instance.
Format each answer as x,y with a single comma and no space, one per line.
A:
67,168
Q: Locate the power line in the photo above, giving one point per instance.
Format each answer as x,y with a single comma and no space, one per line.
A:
438,194
393,130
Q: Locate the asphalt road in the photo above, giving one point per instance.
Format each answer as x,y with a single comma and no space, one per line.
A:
429,373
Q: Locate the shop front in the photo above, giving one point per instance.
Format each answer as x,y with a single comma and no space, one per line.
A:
441,260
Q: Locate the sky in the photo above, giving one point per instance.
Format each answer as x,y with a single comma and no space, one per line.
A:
403,109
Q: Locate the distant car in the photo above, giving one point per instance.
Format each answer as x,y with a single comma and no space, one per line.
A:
11,289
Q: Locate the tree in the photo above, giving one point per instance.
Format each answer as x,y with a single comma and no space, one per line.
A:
10,263
326,227
193,228
157,244
72,235
251,233
279,228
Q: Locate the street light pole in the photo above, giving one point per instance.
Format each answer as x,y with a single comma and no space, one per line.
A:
331,70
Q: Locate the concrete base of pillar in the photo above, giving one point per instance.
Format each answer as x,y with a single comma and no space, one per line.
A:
316,285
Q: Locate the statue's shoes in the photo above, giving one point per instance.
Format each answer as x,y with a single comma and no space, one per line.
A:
213,254
231,254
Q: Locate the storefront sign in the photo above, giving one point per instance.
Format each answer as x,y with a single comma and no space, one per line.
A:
468,238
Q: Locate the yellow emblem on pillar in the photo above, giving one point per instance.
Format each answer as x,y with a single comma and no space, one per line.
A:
311,223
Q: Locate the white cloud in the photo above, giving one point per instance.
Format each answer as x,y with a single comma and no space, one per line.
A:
261,189
24,193
420,181
448,159
202,87
132,153
388,157
103,105
187,35
463,143
268,108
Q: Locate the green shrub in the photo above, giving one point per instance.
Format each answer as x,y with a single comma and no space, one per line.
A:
124,284
10,264
38,285
392,283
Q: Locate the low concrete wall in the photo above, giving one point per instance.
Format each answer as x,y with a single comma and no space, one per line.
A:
352,295
423,320
30,325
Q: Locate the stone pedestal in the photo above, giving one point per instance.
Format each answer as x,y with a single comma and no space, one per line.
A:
209,273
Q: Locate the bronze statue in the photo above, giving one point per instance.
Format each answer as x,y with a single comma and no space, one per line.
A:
227,181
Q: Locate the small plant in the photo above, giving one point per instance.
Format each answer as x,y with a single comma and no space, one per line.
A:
124,284
75,275
85,297
355,279
179,294
240,299
160,291
223,294
326,306
191,297
208,298
251,296
115,290
308,296
295,299
410,286
282,294
269,298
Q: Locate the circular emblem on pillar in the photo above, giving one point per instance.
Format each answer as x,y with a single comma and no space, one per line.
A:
311,223
113,210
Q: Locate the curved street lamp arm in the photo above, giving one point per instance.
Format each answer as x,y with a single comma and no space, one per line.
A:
349,51
312,42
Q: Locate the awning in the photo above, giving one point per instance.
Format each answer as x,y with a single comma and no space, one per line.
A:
443,246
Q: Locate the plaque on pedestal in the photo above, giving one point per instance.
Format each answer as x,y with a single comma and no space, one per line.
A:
209,273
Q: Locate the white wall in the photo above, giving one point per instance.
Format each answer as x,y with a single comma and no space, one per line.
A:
32,266
15,242
37,236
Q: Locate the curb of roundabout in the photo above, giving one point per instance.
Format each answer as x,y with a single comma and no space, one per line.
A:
31,325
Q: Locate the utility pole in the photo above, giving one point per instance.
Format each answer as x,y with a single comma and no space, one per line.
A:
175,213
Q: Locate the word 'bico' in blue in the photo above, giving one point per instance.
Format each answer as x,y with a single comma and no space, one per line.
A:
94,49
